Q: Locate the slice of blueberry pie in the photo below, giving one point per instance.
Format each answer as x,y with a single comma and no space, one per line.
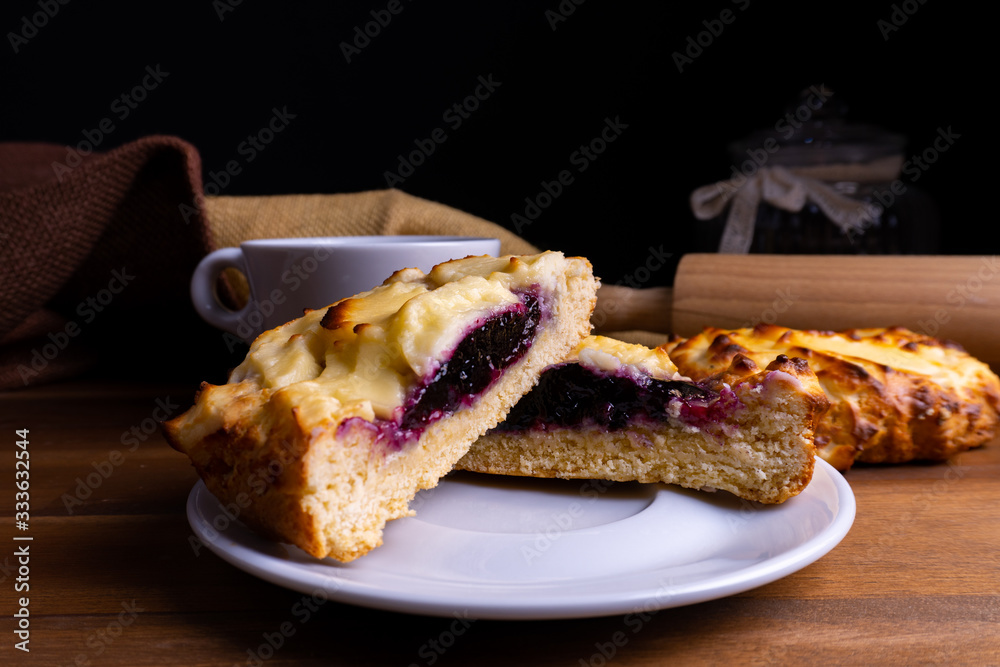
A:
335,420
622,412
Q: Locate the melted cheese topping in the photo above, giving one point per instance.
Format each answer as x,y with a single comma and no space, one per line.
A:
874,349
363,353
610,355
947,367
929,361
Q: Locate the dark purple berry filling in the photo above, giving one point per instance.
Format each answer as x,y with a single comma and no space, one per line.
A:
569,395
476,363
490,347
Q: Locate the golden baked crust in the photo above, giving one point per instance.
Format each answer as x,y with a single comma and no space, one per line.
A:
896,395
308,437
758,445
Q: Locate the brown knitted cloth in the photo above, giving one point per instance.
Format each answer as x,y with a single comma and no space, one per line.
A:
96,251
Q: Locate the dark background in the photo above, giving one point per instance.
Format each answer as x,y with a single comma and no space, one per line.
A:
227,70
560,71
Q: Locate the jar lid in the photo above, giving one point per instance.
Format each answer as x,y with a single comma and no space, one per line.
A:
813,130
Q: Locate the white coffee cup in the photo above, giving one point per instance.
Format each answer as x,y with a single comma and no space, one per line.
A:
288,275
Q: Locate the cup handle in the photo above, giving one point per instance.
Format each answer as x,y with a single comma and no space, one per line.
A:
203,289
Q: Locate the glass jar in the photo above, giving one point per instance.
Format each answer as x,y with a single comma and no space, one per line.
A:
851,171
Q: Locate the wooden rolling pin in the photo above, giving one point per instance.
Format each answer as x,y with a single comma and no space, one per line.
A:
956,297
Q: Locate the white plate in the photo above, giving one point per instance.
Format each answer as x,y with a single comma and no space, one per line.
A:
512,548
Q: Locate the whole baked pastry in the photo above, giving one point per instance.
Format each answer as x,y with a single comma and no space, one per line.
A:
895,395
622,412
335,420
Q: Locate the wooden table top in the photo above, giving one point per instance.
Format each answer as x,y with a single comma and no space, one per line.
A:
113,579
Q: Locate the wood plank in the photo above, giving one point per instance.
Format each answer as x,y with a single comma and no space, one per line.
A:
916,581
290,633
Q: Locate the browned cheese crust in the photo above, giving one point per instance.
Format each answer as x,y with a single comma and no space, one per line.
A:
895,395
291,443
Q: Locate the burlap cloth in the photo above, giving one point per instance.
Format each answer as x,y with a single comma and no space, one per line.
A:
97,250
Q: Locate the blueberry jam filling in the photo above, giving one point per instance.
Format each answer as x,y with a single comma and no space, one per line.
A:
476,363
569,395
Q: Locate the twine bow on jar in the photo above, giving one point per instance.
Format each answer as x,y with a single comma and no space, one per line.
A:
791,189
